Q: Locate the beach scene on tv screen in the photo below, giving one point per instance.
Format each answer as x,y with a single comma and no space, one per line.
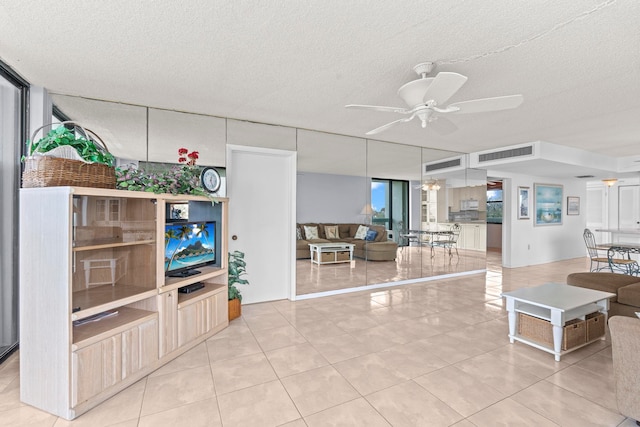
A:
188,245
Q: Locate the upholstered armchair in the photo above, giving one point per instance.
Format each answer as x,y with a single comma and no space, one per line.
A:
625,346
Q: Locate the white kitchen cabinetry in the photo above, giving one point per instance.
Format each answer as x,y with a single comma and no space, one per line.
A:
473,236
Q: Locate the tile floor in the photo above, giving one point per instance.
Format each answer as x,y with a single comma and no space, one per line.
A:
427,354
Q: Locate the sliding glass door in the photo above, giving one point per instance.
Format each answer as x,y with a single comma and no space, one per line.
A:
12,98
390,203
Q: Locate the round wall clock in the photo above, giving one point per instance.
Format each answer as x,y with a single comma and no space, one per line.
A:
210,179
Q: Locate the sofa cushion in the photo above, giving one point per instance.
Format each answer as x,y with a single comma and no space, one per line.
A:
371,235
607,282
298,233
629,294
331,232
345,230
311,232
361,233
382,233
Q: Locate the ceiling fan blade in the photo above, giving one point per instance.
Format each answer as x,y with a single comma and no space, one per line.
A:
443,86
488,104
442,125
388,125
379,108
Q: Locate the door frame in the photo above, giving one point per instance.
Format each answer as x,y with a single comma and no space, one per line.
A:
291,157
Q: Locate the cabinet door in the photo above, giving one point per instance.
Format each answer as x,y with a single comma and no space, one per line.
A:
95,368
201,317
168,311
190,320
222,310
139,347
481,239
148,343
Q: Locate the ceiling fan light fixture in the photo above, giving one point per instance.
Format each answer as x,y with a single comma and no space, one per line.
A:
430,185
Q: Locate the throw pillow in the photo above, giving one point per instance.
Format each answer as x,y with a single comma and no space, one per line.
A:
371,235
298,233
311,232
361,233
331,232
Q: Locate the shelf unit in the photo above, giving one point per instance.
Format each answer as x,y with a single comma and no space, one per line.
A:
85,252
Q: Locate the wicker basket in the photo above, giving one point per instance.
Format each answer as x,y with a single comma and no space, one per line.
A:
541,330
49,171
595,325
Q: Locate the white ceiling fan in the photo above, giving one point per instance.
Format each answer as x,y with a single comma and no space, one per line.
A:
427,96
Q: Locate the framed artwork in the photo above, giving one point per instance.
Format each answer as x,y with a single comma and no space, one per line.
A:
523,202
548,201
573,205
177,212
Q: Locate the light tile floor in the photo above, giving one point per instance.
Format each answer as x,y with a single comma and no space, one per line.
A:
427,354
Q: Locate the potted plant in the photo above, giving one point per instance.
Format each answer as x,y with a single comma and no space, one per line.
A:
236,269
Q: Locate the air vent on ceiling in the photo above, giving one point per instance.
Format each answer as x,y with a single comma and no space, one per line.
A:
442,165
506,154
585,176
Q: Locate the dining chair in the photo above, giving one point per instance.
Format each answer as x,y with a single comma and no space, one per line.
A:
620,261
447,241
405,239
595,252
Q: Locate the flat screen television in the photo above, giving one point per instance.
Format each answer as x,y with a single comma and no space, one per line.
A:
189,245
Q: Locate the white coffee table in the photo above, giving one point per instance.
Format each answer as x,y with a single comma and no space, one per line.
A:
317,249
557,303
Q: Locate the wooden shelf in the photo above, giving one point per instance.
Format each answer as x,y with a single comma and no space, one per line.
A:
113,245
545,313
206,273
89,333
106,297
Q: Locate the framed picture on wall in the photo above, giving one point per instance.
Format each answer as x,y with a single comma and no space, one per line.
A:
573,205
548,202
523,202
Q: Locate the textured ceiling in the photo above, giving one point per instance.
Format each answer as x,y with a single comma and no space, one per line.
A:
577,63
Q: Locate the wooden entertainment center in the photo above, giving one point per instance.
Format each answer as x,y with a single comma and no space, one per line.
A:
97,313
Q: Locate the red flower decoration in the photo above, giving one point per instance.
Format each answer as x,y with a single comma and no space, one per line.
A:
190,158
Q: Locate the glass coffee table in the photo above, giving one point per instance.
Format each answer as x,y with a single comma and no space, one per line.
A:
557,304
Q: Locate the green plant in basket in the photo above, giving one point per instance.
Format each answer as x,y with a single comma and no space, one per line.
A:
61,136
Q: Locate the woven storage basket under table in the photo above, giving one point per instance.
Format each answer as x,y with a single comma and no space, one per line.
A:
48,171
595,325
541,330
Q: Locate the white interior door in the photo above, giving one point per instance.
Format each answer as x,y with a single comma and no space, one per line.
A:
261,191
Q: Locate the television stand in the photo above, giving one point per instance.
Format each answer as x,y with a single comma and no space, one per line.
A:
186,273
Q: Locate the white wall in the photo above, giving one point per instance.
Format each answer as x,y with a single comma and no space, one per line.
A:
523,243
331,198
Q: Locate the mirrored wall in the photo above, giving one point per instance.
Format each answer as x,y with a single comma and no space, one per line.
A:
427,210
